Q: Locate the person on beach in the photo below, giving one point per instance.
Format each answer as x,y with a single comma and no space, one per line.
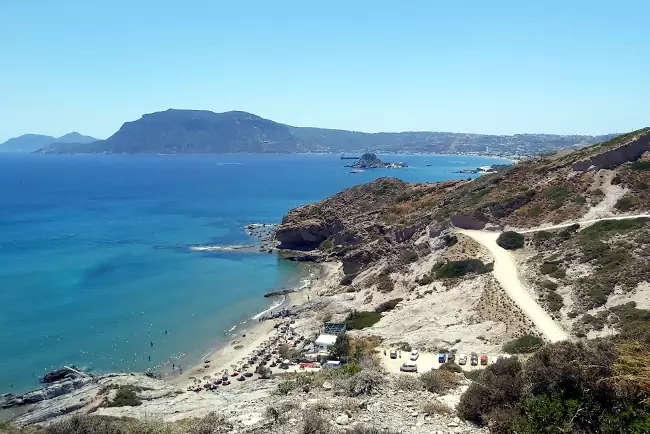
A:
151,344
173,366
149,358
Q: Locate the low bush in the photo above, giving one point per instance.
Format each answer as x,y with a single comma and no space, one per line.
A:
436,407
560,273
361,320
548,268
640,165
408,256
286,386
542,235
451,367
461,268
427,279
510,240
389,305
606,227
364,383
314,423
624,204
125,396
569,387
437,381
263,372
407,383
549,284
524,344
554,301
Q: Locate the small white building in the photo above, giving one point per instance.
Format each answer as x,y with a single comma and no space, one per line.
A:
323,342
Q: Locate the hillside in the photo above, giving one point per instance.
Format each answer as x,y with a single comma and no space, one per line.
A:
197,131
33,142
400,239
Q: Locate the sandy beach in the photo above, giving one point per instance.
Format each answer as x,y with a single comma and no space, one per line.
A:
238,349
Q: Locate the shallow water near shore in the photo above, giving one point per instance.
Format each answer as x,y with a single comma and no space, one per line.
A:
98,260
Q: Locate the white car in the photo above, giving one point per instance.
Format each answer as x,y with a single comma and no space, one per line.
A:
409,367
462,359
414,355
494,360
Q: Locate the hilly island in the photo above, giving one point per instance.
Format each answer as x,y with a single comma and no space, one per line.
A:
204,132
516,302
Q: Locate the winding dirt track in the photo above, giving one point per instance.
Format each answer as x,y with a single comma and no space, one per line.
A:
505,271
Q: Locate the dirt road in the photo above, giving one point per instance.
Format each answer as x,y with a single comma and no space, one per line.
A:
505,271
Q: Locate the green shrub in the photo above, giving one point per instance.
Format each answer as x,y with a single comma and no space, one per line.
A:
361,320
580,199
534,211
607,227
548,268
498,385
461,268
341,347
542,235
408,256
286,386
640,165
451,367
549,284
437,381
624,204
554,301
560,273
389,305
407,383
425,280
364,383
510,240
125,396
524,344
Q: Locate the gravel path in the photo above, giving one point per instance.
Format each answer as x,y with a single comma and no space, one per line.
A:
505,271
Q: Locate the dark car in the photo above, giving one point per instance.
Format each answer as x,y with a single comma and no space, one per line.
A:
451,357
474,359
442,358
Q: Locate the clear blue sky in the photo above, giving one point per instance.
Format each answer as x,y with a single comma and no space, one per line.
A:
463,66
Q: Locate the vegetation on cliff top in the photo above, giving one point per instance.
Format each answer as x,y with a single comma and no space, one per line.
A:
594,386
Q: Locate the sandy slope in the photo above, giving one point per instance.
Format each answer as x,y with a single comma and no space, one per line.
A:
505,271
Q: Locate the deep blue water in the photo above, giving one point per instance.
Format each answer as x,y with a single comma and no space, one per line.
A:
94,258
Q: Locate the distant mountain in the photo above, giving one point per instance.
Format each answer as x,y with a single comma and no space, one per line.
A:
438,142
193,132
204,132
33,142
75,137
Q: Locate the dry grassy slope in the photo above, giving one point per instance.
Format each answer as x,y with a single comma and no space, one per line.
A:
381,219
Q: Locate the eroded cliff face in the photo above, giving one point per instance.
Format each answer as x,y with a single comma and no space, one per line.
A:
630,151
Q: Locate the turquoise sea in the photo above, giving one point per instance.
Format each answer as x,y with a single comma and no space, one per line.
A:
96,261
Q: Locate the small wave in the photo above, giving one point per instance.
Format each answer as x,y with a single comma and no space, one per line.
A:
232,328
229,164
275,305
220,248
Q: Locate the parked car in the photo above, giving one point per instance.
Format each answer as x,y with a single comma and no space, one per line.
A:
442,358
409,367
393,354
494,359
474,359
414,355
484,359
462,359
451,357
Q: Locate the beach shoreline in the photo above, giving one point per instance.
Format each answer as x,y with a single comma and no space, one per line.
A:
233,351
